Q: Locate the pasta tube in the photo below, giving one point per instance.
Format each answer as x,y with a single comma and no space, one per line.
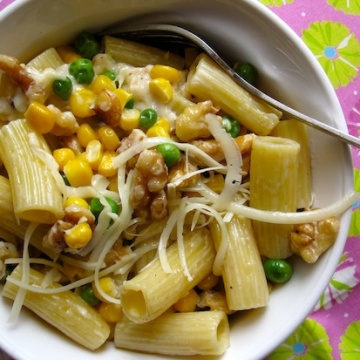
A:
66,311
273,186
10,223
193,333
36,195
207,81
295,130
152,291
49,58
137,54
242,271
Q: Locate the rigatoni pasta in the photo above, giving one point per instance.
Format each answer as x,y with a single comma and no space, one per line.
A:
194,333
151,291
207,81
295,130
134,188
242,272
273,186
35,192
66,311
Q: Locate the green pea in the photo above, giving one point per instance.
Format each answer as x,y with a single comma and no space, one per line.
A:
62,88
130,104
148,118
96,207
88,295
82,70
278,270
87,45
231,125
248,72
170,153
110,74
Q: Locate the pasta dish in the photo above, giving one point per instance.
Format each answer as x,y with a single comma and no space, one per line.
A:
145,197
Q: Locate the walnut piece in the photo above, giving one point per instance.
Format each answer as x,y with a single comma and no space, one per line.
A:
312,239
108,108
213,148
54,239
191,125
150,178
180,169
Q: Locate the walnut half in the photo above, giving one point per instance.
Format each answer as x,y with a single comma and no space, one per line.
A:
312,239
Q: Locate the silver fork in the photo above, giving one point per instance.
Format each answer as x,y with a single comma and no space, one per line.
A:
173,34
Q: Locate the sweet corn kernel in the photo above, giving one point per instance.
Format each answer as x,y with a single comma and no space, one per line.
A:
108,138
93,153
188,302
111,313
62,156
76,200
157,131
102,82
123,96
67,54
78,236
216,183
161,89
130,119
164,123
85,133
40,117
166,72
106,166
78,172
208,282
82,103
107,285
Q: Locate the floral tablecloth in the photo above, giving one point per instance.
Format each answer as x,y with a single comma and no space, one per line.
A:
331,29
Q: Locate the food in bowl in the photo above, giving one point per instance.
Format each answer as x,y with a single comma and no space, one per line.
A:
150,193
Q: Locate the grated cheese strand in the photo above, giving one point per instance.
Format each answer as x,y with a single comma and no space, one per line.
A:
233,162
277,217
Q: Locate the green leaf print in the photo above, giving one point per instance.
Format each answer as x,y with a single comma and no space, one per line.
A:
355,219
357,179
354,229
309,342
351,7
336,48
276,2
338,285
350,342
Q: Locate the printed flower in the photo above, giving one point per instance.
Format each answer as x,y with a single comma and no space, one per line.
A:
355,223
350,342
309,342
336,48
276,2
355,218
342,282
351,7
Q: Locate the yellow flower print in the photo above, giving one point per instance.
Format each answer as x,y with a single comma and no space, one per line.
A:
276,2
351,7
309,342
350,342
336,48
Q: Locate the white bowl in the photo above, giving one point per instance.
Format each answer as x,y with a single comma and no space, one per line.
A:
240,29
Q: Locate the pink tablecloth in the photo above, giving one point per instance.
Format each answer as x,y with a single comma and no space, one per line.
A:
331,29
